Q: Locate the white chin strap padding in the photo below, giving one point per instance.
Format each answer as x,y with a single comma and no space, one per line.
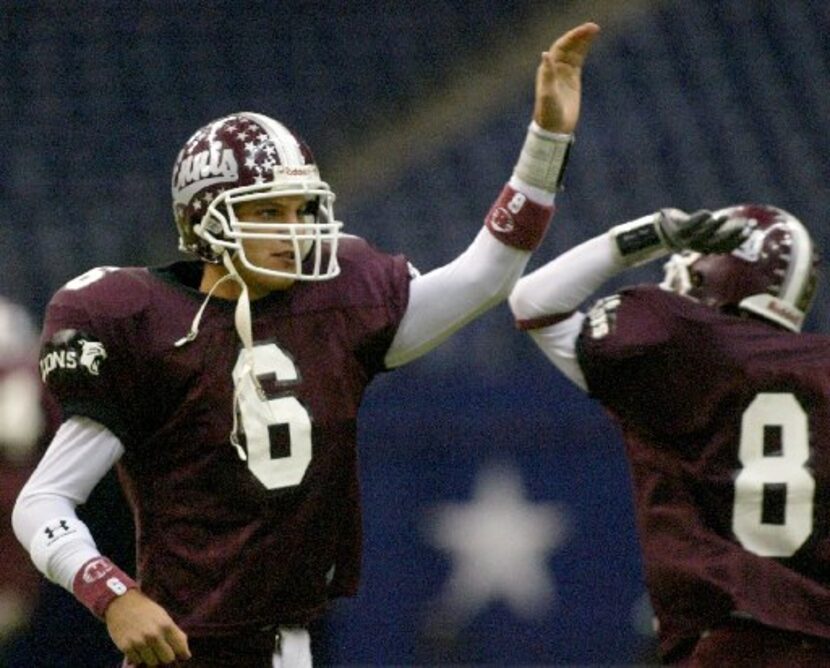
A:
242,320
242,315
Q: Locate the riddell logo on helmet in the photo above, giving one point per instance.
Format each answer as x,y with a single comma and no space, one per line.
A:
780,308
204,169
302,170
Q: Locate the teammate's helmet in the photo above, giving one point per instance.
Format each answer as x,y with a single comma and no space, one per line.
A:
773,274
248,156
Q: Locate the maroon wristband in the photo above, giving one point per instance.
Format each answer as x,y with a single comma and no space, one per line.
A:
98,582
517,221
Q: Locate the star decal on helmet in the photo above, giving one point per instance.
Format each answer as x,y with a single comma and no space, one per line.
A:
240,157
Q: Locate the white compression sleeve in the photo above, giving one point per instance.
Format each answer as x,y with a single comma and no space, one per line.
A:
447,298
558,288
44,518
562,284
558,343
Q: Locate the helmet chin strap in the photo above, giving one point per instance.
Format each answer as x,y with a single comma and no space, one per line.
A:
242,314
194,326
242,320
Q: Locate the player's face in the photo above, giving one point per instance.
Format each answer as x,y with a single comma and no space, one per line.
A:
270,253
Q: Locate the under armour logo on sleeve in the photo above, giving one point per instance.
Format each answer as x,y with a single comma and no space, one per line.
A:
52,532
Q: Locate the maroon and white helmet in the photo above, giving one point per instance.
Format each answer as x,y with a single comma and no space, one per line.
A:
772,274
248,156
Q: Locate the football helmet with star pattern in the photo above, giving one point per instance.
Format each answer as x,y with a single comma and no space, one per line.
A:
773,274
243,157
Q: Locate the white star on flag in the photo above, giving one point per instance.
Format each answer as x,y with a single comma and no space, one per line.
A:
499,543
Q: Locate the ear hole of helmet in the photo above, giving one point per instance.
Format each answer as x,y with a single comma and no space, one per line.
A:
201,243
209,224
695,278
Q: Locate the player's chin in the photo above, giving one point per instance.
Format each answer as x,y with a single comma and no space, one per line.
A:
273,283
259,282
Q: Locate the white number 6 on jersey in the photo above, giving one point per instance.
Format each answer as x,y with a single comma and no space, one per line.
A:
259,416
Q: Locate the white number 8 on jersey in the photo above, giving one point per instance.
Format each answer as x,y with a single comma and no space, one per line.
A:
762,471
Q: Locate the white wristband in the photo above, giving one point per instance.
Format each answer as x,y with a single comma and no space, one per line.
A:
543,158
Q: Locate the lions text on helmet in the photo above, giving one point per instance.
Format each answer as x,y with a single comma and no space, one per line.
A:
247,158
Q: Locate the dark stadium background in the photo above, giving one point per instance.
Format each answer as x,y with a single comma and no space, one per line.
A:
416,112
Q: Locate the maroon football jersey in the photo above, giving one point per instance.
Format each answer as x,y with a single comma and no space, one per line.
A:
726,422
225,543
18,576
20,397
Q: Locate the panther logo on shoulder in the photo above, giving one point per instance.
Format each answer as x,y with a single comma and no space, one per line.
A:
72,351
92,354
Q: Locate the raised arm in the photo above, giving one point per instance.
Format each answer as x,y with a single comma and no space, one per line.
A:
545,302
445,299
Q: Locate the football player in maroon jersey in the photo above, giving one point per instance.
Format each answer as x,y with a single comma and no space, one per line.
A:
724,408
22,420
226,390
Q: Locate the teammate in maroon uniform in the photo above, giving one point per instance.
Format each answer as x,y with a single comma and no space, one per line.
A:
227,390
724,408
22,420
